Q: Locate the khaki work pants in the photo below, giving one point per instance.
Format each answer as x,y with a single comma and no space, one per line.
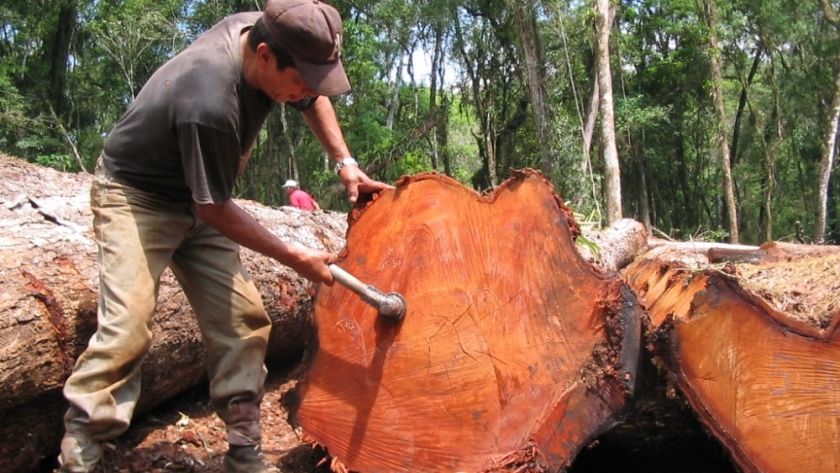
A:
139,234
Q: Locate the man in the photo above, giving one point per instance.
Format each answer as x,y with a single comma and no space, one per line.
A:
162,197
298,197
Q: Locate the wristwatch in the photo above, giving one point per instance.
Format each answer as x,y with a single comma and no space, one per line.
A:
345,162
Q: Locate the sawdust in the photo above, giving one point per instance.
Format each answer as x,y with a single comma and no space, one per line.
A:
806,289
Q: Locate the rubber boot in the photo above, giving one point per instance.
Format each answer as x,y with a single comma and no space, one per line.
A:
246,459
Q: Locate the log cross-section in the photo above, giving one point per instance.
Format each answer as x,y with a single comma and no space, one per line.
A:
766,385
514,352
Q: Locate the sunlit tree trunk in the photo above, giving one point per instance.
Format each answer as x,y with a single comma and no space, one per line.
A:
710,15
395,97
829,152
829,145
612,171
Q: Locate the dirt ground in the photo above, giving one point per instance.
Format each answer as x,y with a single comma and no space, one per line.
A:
185,435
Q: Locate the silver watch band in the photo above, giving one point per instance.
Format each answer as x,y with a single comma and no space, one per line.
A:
345,162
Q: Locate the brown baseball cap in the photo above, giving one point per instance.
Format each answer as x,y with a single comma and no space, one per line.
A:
311,32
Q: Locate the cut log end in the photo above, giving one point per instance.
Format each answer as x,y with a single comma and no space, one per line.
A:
764,383
511,342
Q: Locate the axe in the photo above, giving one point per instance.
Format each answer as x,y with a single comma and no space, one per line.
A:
391,305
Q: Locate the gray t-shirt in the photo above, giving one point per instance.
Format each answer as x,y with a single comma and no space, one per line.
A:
192,123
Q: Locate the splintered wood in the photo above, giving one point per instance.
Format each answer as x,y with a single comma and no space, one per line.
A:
766,384
513,348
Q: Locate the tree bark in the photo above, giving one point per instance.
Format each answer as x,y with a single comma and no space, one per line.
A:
514,351
761,376
50,297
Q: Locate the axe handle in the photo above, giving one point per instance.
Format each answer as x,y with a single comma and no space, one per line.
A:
368,293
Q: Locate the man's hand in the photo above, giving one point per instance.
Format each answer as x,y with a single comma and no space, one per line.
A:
312,264
323,122
356,181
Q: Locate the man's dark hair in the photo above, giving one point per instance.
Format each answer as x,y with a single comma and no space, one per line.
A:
259,34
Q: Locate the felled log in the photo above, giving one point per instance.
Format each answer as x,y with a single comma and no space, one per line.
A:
701,253
784,251
49,301
514,352
615,247
755,350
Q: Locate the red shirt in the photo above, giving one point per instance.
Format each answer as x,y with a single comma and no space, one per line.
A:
302,200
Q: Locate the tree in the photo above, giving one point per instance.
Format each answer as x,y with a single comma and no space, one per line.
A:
604,15
710,15
829,142
523,12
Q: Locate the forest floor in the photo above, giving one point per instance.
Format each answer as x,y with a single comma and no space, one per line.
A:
184,435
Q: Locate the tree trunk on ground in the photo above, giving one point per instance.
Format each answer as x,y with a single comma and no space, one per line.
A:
694,254
755,351
616,246
50,296
514,352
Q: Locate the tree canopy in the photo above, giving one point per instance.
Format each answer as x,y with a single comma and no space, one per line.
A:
475,88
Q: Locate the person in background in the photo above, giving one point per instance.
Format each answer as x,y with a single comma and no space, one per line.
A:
300,198
162,197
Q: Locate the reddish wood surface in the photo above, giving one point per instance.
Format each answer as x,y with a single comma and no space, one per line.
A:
514,351
766,385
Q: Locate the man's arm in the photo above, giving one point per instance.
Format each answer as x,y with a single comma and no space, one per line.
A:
324,124
235,223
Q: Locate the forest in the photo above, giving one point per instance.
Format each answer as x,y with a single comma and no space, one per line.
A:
710,120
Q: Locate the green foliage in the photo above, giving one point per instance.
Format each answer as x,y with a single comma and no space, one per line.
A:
482,119
61,162
588,224
633,115
716,235
13,113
